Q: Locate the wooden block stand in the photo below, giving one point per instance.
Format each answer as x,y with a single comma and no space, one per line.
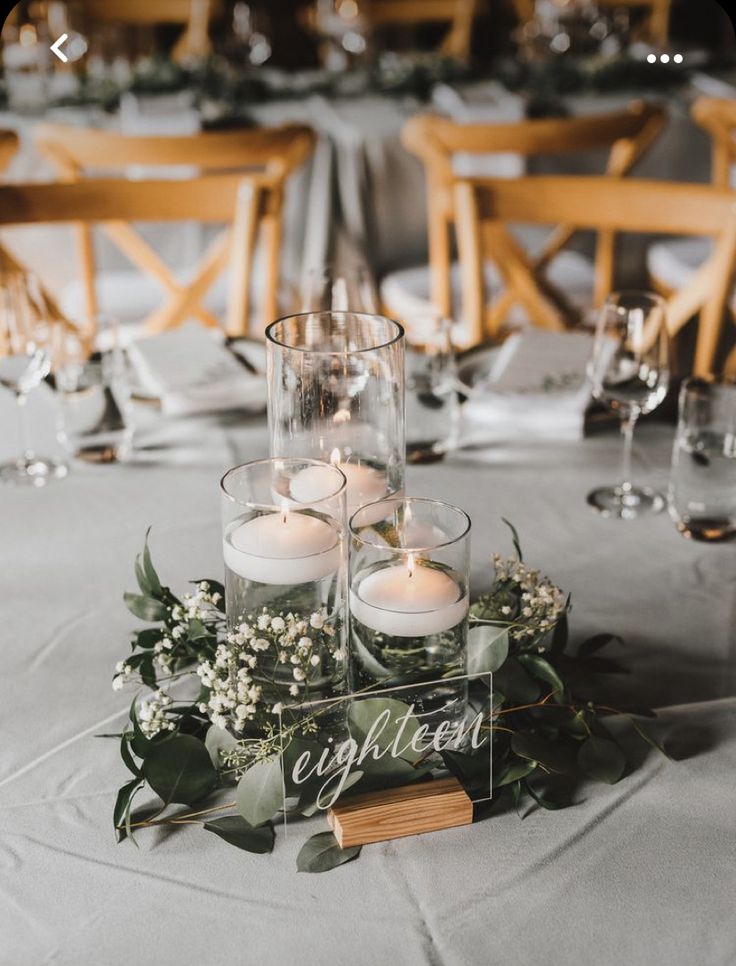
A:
396,812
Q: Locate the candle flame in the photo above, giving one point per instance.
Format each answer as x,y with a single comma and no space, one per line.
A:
410,564
335,457
284,511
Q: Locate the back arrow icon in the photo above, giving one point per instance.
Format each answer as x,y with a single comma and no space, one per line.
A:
55,48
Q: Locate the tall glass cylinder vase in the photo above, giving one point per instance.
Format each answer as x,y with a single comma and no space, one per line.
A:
336,393
285,587
409,602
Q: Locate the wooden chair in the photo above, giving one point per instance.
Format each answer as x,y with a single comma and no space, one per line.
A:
8,147
242,201
484,207
459,15
273,152
437,141
674,261
653,27
193,15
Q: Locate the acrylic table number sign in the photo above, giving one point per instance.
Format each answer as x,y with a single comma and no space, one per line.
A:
336,394
285,592
388,776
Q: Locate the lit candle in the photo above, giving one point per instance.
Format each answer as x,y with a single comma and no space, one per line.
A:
282,548
364,485
408,600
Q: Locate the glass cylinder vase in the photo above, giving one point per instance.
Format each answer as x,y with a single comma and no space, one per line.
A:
285,585
409,603
336,393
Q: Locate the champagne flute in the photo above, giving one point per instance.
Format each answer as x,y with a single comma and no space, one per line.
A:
629,371
25,361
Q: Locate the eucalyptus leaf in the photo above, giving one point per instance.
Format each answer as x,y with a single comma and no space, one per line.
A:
260,792
553,756
320,853
541,669
488,648
236,831
150,571
217,740
513,772
180,770
144,607
601,759
514,683
308,804
124,797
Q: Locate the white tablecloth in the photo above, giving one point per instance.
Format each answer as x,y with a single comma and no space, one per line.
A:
639,873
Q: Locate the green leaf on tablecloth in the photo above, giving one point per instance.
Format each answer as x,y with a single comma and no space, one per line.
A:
179,770
544,801
128,758
400,726
643,733
144,607
488,648
260,792
514,683
596,642
472,771
308,804
122,804
321,853
236,831
552,756
541,669
217,740
601,759
152,578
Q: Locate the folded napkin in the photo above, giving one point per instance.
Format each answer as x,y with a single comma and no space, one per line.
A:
192,371
535,388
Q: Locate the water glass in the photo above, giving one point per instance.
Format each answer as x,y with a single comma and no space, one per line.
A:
432,403
702,491
94,398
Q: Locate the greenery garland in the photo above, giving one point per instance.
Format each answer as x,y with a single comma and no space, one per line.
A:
549,715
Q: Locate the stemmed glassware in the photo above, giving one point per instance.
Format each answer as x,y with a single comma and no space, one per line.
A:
25,361
629,371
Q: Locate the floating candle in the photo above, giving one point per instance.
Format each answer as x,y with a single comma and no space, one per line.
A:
282,548
364,484
408,600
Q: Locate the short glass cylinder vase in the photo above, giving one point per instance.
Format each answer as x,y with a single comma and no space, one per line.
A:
285,591
336,393
409,601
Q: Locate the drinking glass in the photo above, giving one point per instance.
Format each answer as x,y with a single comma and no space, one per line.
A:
702,491
432,403
25,361
629,371
94,396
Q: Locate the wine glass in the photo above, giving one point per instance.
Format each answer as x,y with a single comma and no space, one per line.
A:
25,361
629,371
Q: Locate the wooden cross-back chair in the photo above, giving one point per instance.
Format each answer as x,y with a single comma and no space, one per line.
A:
273,152
239,200
653,28
437,141
718,117
193,15
485,206
459,15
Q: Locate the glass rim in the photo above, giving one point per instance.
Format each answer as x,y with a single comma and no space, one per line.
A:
707,382
425,501
397,336
612,300
272,461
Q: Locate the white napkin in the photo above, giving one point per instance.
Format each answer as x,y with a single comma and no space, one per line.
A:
191,371
536,389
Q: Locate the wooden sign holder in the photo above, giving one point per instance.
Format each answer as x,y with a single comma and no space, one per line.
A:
396,812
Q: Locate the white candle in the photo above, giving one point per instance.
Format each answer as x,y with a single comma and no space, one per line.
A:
364,484
408,600
282,548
